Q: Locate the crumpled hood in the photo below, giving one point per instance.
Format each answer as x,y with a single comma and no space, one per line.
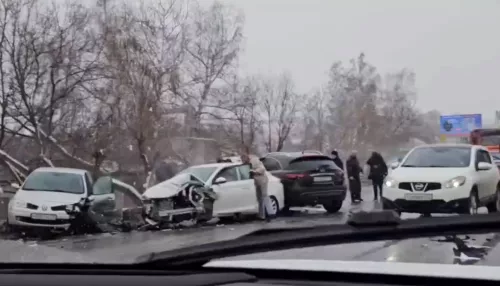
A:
48,198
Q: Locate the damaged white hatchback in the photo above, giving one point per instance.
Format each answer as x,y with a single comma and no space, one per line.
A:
205,191
60,199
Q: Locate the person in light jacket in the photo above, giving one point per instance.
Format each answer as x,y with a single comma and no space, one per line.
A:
258,173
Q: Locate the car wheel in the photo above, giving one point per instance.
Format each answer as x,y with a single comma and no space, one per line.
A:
497,199
473,203
333,207
274,205
495,206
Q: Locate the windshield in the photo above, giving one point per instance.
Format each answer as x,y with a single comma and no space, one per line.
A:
310,163
203,173
446,157
55,182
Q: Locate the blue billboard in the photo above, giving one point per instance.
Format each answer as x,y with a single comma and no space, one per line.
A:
459,125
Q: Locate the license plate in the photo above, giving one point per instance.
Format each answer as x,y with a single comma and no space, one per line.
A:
418,197
44,216
322,179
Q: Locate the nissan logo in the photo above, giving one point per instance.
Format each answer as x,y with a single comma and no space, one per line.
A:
44,208
419,186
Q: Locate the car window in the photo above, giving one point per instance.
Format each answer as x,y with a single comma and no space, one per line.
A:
311,163
244,172
483,156
271,164
442,156
496,156
102,186
230,174
202,173
55,182
490,140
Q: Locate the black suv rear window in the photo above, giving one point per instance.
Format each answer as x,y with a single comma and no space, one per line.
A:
311,163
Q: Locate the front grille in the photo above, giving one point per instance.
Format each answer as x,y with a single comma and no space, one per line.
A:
430,186
164,205
31,206
59,208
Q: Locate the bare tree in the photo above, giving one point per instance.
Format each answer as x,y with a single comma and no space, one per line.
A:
280,105
398,113
48,58
144,53
215,37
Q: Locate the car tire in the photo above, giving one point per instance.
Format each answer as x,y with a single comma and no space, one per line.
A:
495,206
473,203
333,207
275,205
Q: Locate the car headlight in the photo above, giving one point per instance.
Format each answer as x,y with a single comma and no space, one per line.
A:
17,204
455,182
390,183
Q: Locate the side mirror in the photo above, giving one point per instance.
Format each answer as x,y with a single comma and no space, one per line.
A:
394,165
220,180
91,199
15,185
483,166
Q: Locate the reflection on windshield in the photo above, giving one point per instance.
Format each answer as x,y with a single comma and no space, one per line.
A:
446,157
203,173
54,182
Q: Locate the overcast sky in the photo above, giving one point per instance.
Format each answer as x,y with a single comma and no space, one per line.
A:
452,45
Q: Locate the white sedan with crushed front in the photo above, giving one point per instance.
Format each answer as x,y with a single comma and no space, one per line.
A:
443,178
234,188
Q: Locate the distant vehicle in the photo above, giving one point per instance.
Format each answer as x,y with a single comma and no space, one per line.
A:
231,182
53,198
308,179
490,138
443,178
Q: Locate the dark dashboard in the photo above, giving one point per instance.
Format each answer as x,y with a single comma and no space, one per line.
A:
222,277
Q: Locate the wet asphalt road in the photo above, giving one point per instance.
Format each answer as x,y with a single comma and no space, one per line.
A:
124,247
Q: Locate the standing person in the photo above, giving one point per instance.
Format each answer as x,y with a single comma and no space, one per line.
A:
353,173
378,171
258,173
336,159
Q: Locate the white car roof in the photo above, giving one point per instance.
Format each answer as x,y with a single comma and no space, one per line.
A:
60,170
218,165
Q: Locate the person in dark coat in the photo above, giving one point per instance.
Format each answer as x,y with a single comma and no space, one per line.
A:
337,160
354,170
378,171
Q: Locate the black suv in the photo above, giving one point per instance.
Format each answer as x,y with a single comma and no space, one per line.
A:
308,179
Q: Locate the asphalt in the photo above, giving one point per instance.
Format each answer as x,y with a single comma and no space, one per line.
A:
125,247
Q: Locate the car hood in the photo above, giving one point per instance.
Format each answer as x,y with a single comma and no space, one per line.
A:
365,267
126,247
426,174
169,188
50,198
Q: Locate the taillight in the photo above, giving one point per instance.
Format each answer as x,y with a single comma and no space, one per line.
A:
294,176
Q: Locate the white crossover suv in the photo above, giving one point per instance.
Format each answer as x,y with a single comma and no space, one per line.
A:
443,178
